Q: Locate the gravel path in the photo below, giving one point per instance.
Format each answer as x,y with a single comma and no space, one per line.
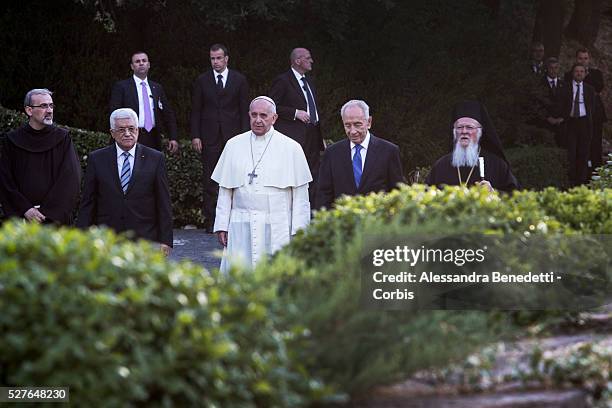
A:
197,246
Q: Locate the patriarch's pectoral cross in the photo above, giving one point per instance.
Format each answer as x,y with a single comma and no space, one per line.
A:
251,176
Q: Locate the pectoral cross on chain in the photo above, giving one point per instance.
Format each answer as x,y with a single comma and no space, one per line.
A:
251,176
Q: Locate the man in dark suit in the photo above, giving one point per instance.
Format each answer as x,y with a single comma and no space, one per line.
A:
553,84
576,104
298,110
361,163
219,111
149,100
594,77
126,186
537,59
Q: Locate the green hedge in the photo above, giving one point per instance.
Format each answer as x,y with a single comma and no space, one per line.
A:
354,348
120,326
579,209
538,167
603,178
184,168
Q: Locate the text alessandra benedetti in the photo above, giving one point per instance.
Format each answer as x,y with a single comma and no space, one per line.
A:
493,277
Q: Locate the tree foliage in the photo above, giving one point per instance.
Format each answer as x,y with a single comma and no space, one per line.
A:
411,61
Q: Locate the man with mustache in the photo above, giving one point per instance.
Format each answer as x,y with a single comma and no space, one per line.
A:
473,136
39,167
126,186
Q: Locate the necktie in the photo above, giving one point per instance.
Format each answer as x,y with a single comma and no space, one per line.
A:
312,111
126,172
357,165
146,106
220,82
552,83
576,107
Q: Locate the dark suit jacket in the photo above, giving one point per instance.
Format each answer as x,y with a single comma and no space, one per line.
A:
381,172
145,209
541,69
288,95
596,80
125,95
566,99
550,102
227,109
565,102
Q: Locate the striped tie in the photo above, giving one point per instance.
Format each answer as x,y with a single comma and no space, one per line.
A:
125,172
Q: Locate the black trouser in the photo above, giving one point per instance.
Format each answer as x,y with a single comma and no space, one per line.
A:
596,150
210,188
312,151
212,147
578,149
150,139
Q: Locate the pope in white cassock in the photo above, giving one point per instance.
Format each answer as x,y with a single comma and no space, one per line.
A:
263,181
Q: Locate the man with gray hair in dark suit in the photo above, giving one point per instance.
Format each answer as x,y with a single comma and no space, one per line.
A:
126,186
361,163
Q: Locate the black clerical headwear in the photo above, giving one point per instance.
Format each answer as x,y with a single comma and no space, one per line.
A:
476,110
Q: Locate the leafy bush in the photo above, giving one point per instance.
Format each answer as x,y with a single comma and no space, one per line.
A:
355,348
585,364
120,326
537,167
579,209
603,177
116,323
184,168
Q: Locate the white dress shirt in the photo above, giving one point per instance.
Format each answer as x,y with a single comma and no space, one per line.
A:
310,109
141,115
364,149
120,160
582,108
223,76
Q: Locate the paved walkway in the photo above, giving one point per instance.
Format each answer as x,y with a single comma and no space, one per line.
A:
197,246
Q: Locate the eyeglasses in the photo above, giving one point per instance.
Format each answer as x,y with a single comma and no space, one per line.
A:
130,130
469,128
45,106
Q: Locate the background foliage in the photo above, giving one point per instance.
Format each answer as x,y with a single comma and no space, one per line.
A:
410,60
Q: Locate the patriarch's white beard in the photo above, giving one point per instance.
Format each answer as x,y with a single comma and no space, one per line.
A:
465,156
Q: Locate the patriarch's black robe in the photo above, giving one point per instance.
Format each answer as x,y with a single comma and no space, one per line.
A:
497,172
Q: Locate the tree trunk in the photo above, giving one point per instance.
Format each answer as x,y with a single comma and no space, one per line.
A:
595,20
549,26
493,6
584,23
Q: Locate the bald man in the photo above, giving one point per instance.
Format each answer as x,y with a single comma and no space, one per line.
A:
299,111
